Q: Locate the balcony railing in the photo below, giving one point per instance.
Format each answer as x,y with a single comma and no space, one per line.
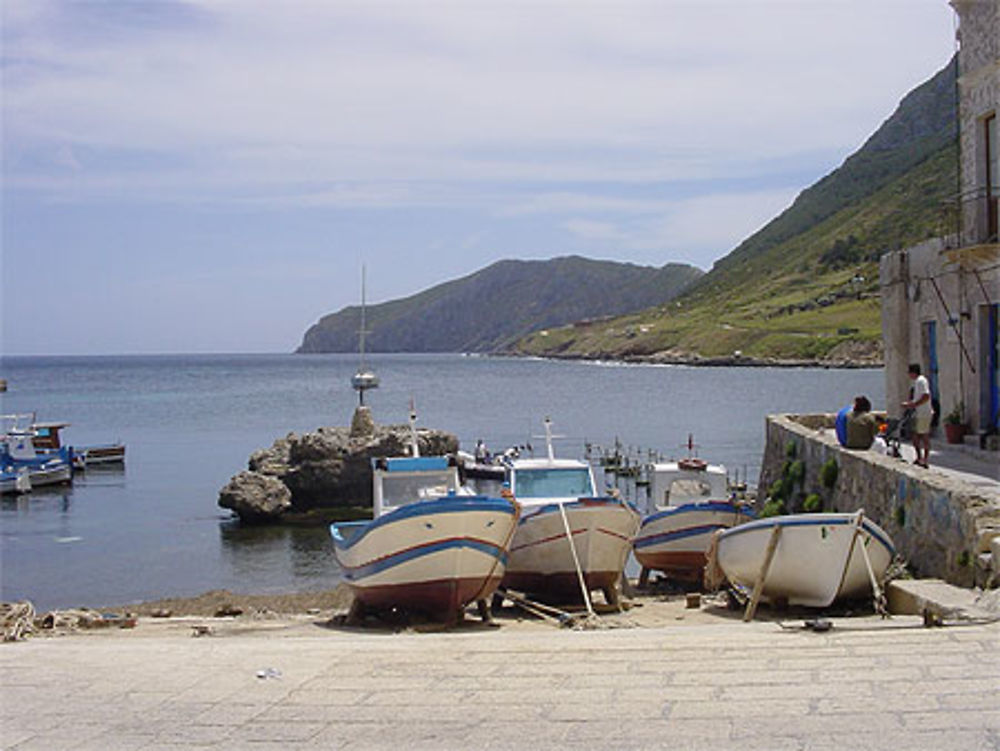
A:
972,216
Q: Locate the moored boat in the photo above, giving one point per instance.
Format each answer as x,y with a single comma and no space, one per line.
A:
47,438
17,454
570,540
689,500
430,547
807,559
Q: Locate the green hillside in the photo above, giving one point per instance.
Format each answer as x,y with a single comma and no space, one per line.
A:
495,306
805,287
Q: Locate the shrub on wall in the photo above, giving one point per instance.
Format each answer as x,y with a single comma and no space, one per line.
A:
828,473
812,504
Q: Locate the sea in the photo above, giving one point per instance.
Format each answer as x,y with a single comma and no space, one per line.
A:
153,529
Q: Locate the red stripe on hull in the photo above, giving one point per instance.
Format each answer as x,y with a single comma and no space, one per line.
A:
544,540
612,533
682,564
442,598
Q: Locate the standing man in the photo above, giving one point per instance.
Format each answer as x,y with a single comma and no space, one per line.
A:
923,413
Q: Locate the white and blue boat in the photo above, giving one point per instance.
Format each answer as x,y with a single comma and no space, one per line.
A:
431,547
18,455
689,501
570,540
807,559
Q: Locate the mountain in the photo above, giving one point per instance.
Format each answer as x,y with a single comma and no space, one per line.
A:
805,287
493,307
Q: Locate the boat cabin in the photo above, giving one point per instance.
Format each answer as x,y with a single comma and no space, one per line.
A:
47,434
16,439
404,480
686,481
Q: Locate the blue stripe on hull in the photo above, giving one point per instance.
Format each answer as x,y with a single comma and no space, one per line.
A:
679,534
720,506
580,503
357,573
348,534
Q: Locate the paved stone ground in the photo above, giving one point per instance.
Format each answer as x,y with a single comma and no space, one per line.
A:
866,684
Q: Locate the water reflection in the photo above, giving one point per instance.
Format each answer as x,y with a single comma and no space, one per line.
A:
46,499
262,556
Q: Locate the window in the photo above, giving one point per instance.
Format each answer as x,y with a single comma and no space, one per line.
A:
405,488
553,483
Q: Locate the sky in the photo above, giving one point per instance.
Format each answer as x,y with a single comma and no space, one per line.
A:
211,175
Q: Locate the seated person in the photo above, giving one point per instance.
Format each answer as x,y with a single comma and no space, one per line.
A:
862,426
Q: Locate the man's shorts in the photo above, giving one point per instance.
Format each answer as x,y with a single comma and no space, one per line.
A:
922,424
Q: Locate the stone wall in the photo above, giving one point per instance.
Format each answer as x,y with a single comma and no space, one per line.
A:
941,526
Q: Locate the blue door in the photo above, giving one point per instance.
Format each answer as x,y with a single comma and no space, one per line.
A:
993,368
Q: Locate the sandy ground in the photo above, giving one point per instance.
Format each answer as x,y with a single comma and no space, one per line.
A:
221,612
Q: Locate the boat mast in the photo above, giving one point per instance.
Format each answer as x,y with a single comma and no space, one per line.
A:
364,379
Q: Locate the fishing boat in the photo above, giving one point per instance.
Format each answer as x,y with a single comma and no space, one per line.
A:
689,500
431,547
807,559
47,438
17,455
570,541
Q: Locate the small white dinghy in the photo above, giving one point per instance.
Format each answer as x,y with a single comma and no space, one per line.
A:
806,559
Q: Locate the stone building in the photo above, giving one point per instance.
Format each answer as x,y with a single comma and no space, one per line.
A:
940,298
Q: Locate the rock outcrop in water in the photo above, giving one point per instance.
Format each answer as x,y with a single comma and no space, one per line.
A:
256,497
327,470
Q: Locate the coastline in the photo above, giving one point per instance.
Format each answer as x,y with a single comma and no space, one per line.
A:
694,360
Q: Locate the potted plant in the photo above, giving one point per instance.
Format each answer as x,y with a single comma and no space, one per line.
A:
954,427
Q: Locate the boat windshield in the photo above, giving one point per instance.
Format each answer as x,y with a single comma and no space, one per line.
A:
686,490
398,490
570,482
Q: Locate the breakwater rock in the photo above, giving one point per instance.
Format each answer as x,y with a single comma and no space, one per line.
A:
327,470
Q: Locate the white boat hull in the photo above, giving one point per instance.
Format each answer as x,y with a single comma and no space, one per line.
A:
541,559
51,474
810,564
432,556
15,483
676,539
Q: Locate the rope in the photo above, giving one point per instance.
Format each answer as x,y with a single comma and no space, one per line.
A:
576,561
714,575
18,620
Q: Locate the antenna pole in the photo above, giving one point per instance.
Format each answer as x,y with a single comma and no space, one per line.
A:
548,438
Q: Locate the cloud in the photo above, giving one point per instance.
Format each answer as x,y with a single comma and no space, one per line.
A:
251,93
264,147
588,229
695,230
